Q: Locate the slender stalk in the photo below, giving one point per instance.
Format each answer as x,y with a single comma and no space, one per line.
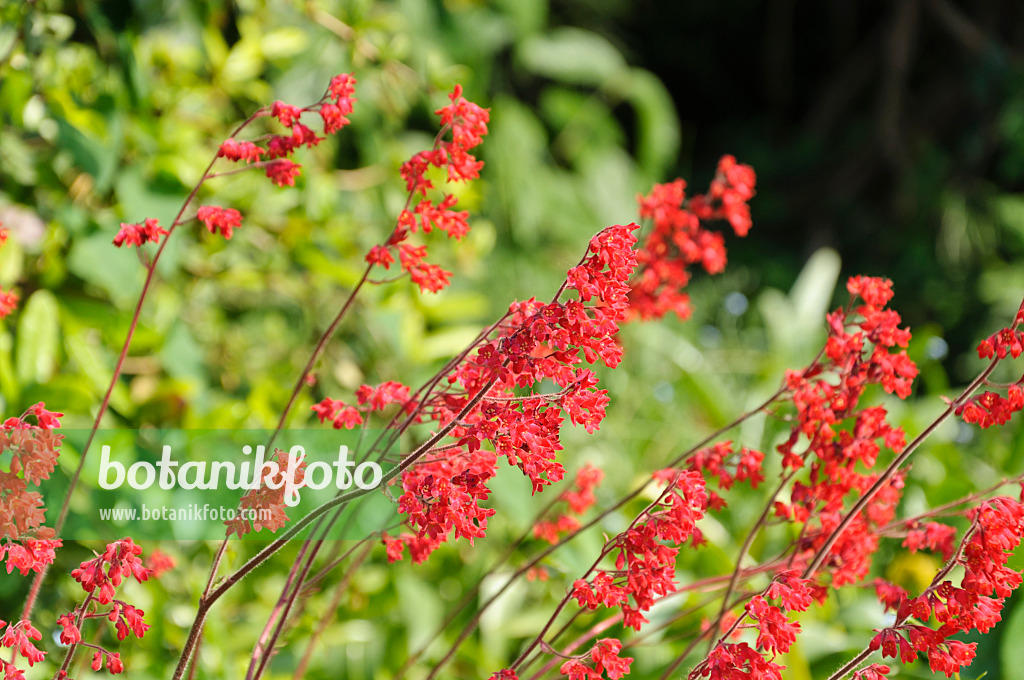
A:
325,621
37,582
744,549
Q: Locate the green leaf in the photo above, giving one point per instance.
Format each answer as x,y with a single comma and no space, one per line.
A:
38,331
657,123
572,55
1011,652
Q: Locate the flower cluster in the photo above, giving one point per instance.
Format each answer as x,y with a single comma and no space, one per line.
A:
369,397
646,552
18,637
149,231
989,408
841,438
931,535
607,663
579,498
974,605
105,572
468,125
100,577
442,493
678,239
34,448
333,109
218,219
737,661
729,467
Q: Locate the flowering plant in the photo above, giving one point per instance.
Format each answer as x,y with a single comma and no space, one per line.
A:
830,485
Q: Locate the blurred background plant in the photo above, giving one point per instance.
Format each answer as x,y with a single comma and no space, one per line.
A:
888,140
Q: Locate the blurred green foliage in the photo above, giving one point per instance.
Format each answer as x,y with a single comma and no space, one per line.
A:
109,111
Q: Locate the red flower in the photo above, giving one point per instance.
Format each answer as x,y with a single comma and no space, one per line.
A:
219,219
138,234
342,415
120,559
48,420
605,655
8,301
235,150
283,172
380,255
70,634
114,664
286,113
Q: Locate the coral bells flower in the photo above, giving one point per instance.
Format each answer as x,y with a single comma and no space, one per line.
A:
283,172
18,636
8,301
160,562
875,671
70,634
29,555
105,572
286,113
339,413
218,219
234,150
137,234
605,656
114,664
380,255
48,420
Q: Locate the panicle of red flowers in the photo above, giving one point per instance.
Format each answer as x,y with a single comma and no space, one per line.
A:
149,231
975,604
729,466
875,671
442,494
931,535
369,397
838,441
333,109
101,575
607,663
579,498
8,299
264,507
18,637
160,562
467,123
679,240
737,661
990,408
218,219
646,551
34,448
